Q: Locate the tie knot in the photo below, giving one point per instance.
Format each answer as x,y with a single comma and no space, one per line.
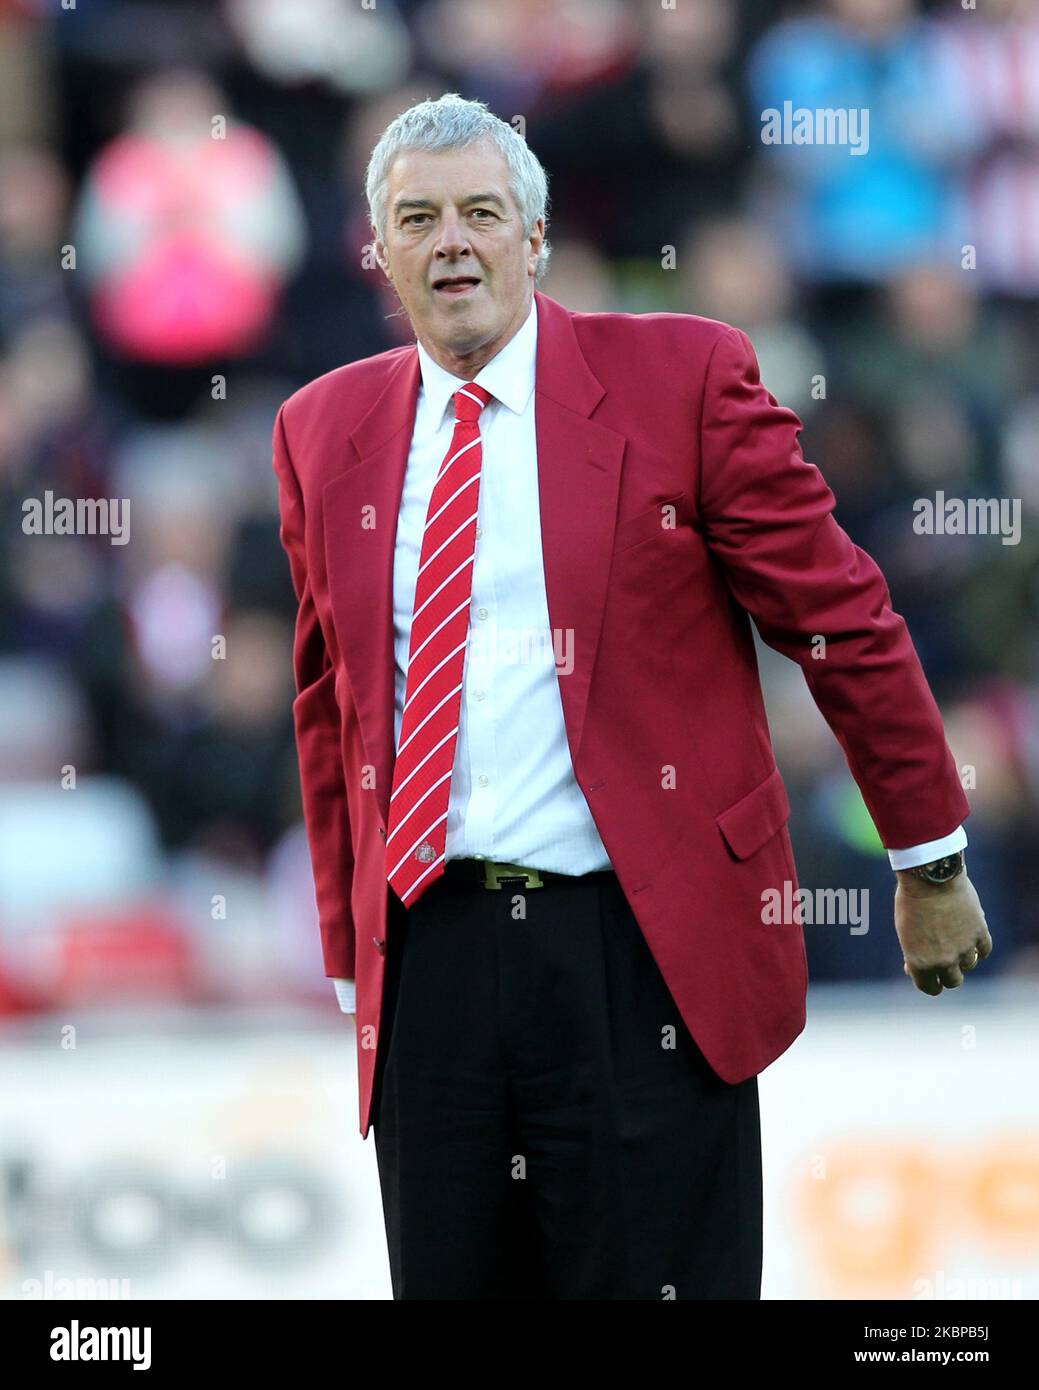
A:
469,401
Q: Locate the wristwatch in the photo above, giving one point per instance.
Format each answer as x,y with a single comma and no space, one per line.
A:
941,870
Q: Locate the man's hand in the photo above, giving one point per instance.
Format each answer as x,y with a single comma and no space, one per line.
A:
942,930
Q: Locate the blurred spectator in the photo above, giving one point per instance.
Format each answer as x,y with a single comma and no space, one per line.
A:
353,49
984,67
732,271
859,216
34,193
187,228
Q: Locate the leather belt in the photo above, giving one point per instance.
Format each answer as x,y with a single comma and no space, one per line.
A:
498,874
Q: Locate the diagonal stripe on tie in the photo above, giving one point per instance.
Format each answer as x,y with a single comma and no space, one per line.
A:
417,832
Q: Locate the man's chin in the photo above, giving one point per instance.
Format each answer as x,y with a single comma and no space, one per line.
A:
461,338
464,307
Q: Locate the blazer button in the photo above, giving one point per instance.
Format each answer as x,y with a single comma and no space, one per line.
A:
382,833
380,945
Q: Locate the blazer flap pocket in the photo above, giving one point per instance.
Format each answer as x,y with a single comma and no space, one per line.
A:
649,522
748,823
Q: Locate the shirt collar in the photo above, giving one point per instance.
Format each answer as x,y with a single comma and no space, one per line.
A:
509,375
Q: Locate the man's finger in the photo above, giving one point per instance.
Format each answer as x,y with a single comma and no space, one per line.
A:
951,976
985,945
969,959
925,980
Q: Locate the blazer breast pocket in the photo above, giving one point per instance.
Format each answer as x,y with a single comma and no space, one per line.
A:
644,524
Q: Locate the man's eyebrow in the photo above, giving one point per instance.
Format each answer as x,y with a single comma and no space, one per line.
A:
404,203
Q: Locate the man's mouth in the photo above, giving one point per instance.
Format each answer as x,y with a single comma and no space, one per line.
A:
455,286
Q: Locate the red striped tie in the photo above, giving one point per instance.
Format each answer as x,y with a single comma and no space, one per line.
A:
417,832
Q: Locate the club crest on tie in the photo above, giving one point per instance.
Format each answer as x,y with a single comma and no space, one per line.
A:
425,853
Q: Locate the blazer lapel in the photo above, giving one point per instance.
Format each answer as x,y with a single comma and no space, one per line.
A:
360,561
579,471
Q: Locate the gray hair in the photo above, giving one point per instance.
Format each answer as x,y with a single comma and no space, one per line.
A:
452,122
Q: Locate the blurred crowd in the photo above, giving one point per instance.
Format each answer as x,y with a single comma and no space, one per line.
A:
182,244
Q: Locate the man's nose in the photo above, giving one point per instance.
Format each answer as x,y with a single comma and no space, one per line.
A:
452,238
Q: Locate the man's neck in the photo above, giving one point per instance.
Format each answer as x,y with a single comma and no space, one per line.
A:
466,365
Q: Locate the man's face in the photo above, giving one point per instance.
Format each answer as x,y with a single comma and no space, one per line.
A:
451,217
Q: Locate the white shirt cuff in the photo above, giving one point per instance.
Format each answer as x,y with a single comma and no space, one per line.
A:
933,849
346,993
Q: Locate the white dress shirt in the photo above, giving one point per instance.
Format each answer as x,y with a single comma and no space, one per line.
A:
514,796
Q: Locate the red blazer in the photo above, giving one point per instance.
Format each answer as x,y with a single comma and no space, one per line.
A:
633,411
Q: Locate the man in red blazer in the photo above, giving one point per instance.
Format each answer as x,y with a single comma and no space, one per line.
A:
548,881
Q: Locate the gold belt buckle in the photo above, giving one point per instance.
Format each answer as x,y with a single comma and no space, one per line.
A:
495,870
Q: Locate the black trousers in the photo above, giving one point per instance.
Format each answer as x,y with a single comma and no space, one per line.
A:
545,1125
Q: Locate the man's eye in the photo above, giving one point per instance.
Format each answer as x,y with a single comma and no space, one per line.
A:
418,216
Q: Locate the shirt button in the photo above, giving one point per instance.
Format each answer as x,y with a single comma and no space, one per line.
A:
481,612
483,780
478,694
479,532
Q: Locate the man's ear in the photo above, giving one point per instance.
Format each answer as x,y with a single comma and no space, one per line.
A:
538,229
380,258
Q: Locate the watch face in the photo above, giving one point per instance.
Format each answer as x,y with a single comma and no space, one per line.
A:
943,869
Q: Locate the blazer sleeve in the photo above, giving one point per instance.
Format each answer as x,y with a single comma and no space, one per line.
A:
767,517
317,724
